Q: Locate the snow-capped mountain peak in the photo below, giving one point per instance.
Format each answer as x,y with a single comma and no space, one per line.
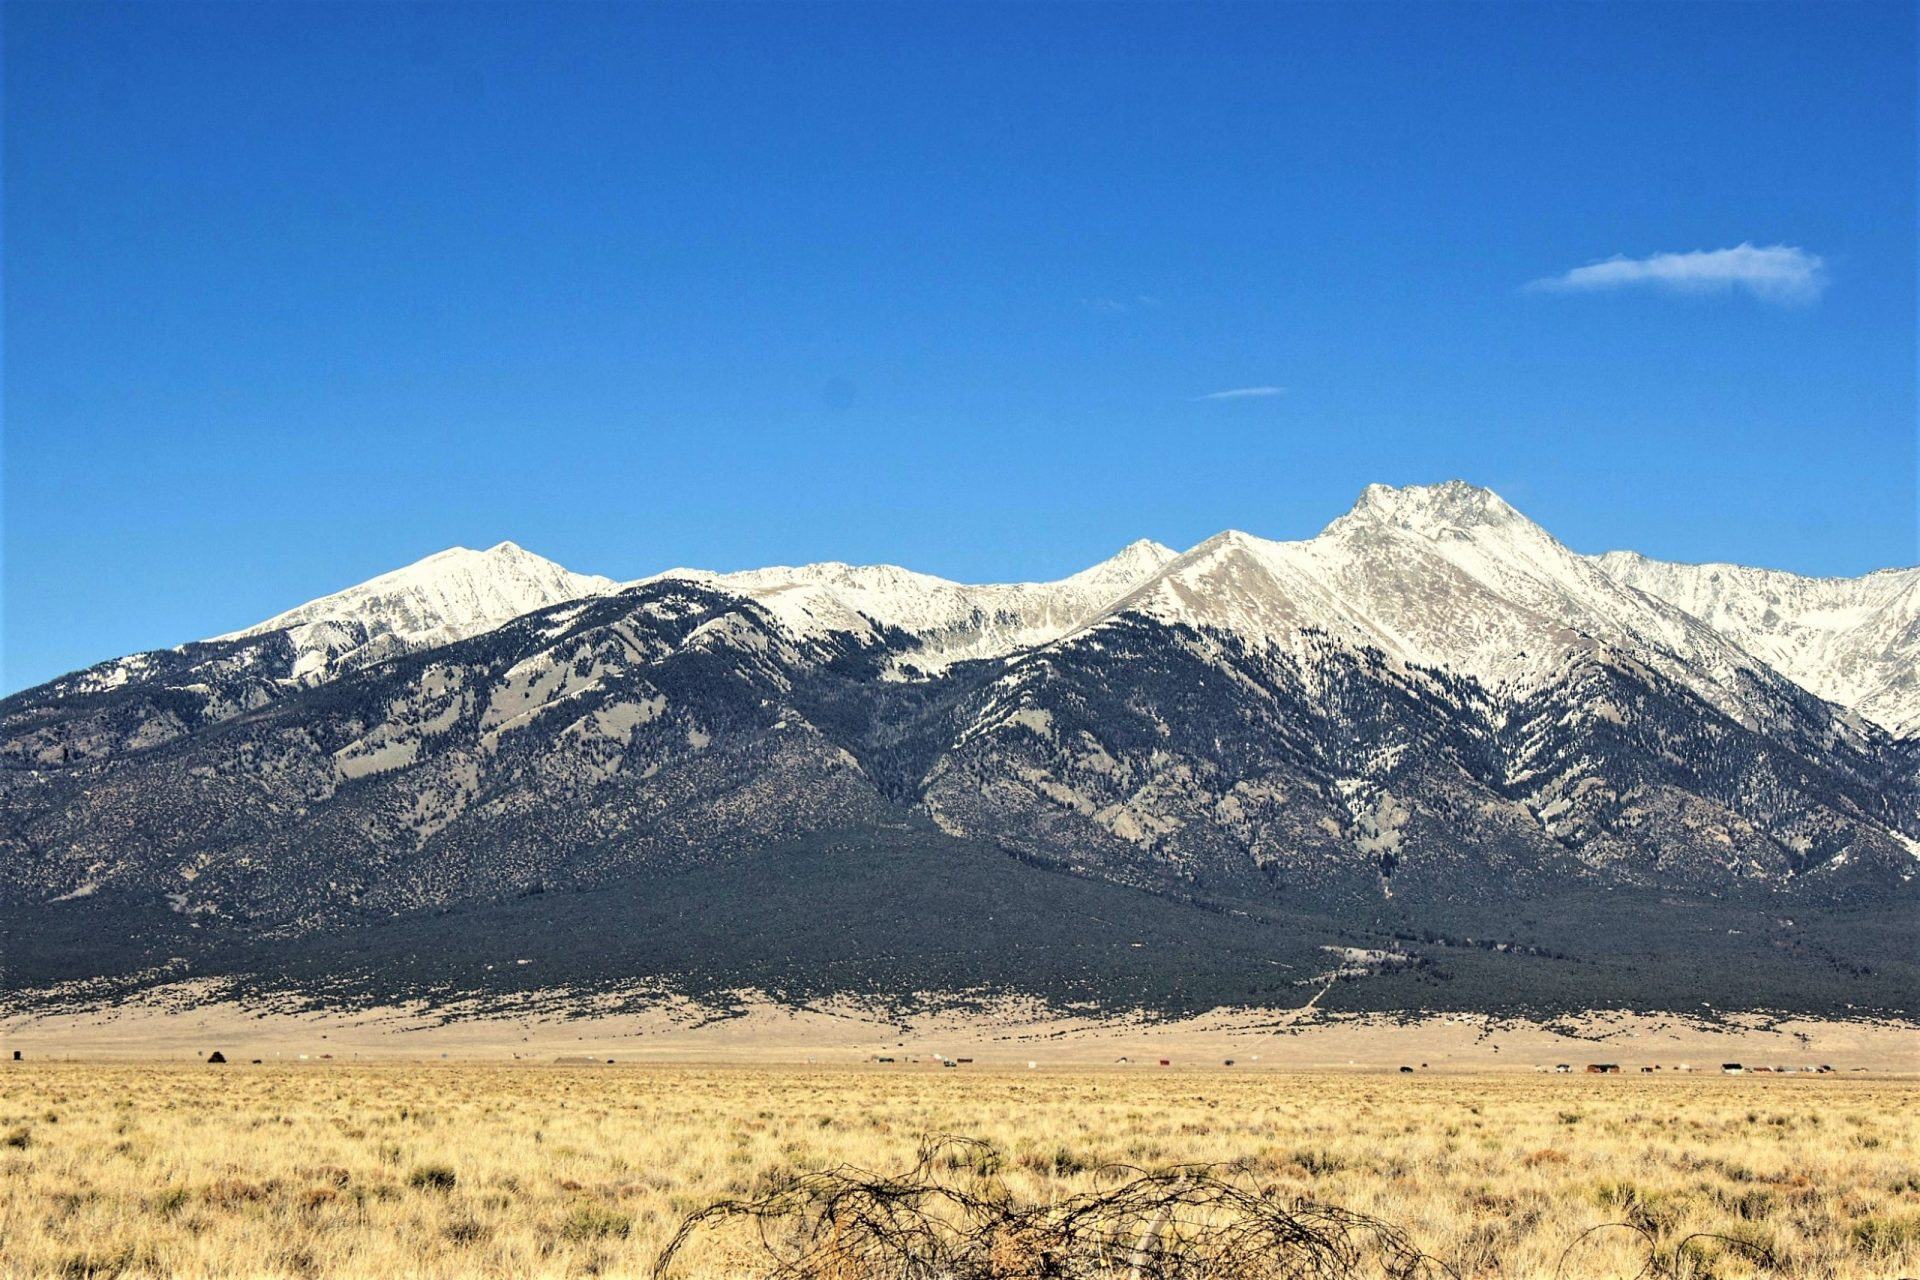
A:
1432,509
444,597
1127,567
1450,577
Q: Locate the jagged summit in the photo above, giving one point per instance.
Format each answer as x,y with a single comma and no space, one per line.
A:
1448,577
1432,510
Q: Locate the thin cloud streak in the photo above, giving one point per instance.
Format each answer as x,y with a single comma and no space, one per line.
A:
1243,393
1776,273
1122,307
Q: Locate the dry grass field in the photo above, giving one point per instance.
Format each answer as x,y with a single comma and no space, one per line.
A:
393,1170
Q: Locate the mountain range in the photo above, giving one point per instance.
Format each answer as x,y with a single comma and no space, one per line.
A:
1505,774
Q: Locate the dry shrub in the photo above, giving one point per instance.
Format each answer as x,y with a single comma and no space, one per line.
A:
943,1219
1879,1236
1692,1257
168,1202
329,1174
591,1220
230,1193
98,1262
433,1177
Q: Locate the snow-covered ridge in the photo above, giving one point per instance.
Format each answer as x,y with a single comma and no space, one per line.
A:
1852,641
953,621
1447,576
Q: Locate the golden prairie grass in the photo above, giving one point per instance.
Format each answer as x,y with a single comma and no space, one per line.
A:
392,1171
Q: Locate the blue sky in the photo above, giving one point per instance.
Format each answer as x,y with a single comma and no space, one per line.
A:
295,295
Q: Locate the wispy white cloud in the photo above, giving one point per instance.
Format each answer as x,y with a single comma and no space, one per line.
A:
1775,273
1122,306
1243,393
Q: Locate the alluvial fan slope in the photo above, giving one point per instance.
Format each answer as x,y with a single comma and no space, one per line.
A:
1432,731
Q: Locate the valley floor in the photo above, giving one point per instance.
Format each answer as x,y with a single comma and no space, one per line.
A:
190,1023
342,1169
